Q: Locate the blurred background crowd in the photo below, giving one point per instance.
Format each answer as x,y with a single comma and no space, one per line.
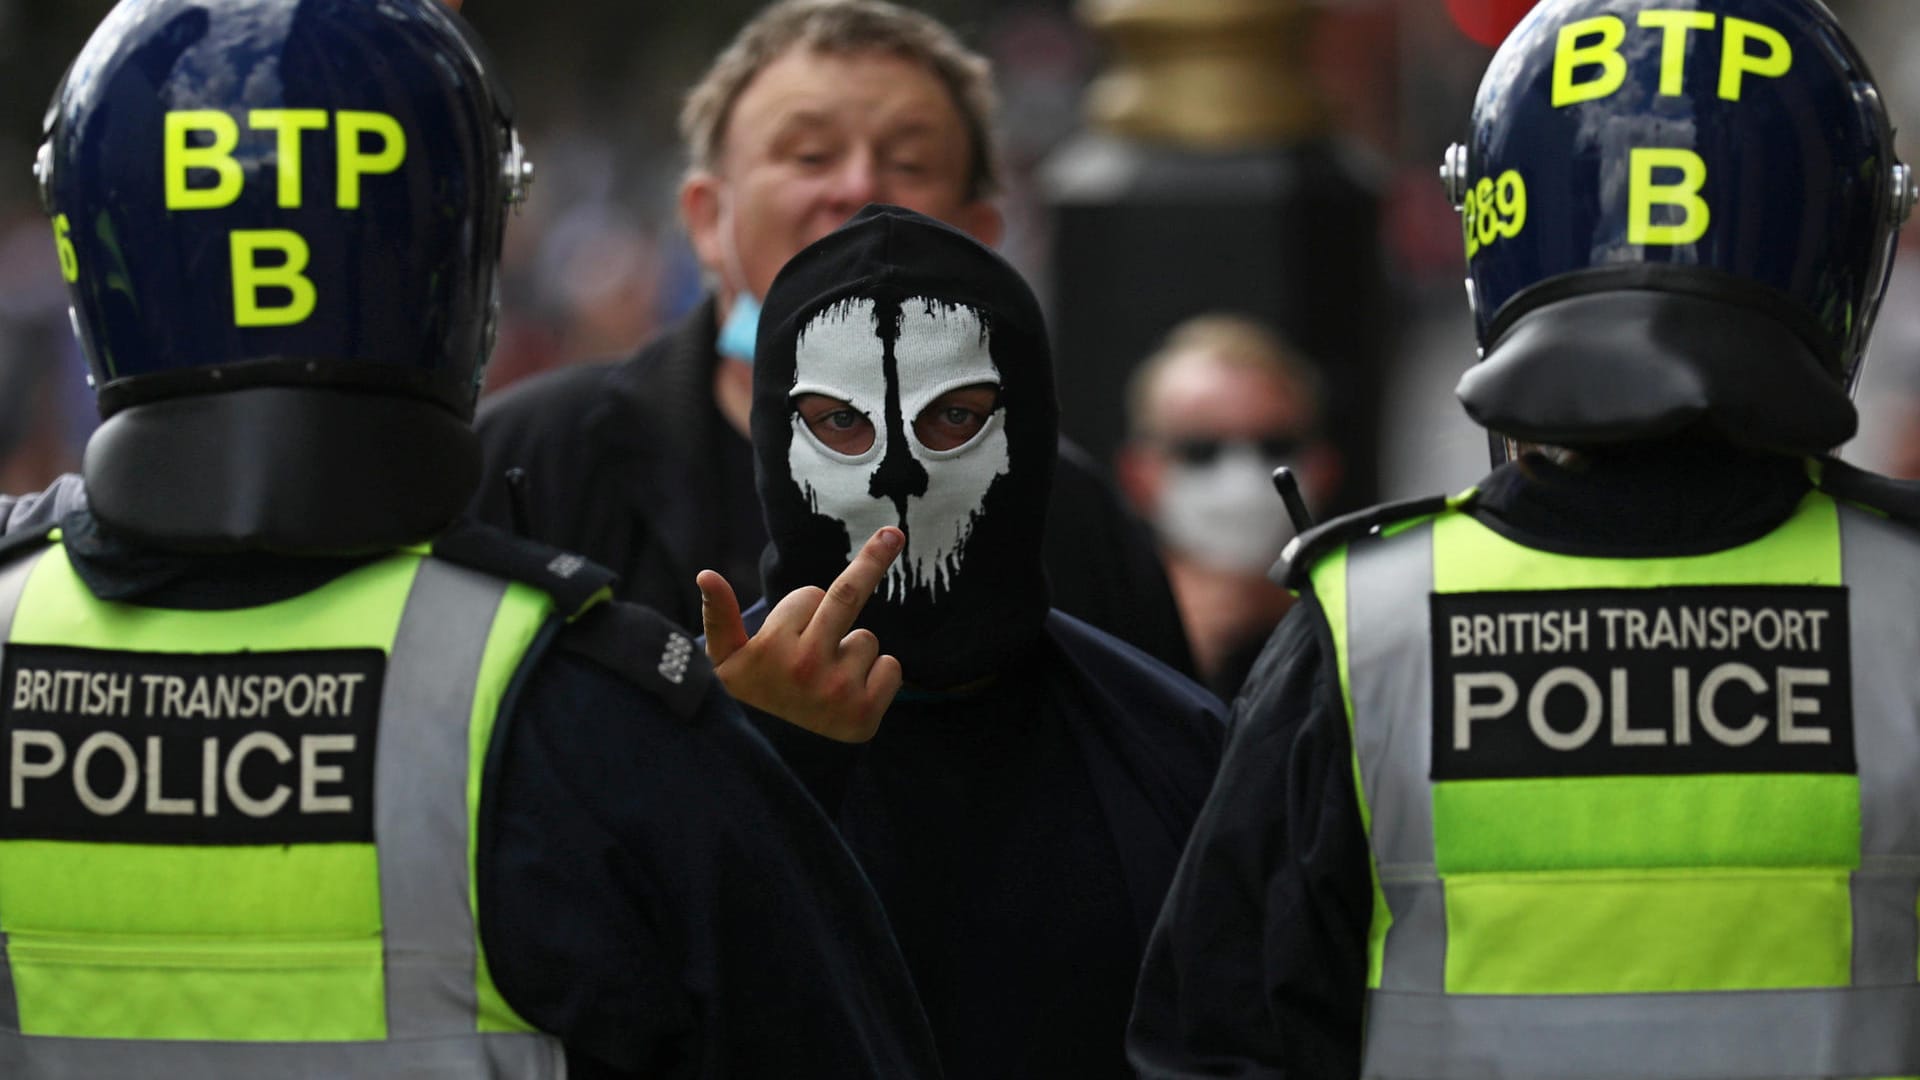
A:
1271,159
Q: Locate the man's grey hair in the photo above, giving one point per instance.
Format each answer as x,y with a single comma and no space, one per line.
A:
841,27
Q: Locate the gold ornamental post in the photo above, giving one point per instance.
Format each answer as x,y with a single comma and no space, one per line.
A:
1207,74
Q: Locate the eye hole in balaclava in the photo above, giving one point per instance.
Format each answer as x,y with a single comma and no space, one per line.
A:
896,422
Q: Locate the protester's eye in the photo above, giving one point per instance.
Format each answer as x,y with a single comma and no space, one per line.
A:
955,417
837,424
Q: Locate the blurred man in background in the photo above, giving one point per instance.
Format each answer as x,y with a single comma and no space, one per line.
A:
1210,415
817,108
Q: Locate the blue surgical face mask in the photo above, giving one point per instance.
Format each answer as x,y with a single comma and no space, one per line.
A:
742,326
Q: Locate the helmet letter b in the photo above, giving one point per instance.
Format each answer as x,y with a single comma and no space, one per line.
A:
1683,195
249,277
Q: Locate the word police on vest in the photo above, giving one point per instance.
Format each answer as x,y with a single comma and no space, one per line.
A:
1603,682
248,748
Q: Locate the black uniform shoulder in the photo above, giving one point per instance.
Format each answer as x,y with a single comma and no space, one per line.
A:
18,542
1307,548
642,647
637,644
572,580
1897,499
42,509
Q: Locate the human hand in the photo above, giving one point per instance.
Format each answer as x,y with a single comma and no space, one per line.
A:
807,665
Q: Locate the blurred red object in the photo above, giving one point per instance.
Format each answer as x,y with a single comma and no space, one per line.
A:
1488,21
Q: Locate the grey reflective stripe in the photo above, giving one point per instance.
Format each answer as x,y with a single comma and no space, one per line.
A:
1885,641
1703,1036
1885,933
464,1058
1391,671
1415,958
13,580
420,800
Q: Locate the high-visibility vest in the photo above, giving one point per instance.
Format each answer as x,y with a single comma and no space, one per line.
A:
1637,817
240,843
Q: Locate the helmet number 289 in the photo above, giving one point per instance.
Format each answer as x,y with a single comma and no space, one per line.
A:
1495,208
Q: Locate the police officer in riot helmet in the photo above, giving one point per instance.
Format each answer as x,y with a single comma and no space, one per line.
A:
1603,767
303,777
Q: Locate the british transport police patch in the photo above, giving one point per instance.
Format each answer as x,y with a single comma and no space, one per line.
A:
189,748
1651,681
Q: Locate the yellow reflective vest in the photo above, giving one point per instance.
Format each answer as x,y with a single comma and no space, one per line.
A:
1637,817
239,843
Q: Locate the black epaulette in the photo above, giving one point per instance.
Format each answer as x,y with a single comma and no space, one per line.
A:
572,580
640,646
1307,548
17,543
1898,499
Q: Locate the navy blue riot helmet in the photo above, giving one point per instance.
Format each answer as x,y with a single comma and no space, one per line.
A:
281,225
1678,213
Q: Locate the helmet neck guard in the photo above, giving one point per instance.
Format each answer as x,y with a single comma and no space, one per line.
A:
239,471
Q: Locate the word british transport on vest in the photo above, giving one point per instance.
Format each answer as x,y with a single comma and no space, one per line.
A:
1590,64
246,748
1601,682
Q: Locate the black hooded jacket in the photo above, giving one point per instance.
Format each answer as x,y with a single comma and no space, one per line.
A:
1020,830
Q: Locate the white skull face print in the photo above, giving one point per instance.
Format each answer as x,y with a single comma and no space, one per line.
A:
935,495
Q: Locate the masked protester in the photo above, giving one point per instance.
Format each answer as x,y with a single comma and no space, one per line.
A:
815,109
1603,768
304,781
1023,803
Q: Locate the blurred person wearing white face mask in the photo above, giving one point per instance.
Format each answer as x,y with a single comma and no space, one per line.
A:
1211,414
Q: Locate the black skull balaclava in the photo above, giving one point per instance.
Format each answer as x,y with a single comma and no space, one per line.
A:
887,314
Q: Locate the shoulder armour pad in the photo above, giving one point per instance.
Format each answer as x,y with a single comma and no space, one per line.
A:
21,541
1898,499
1307,548
572,581
642,647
